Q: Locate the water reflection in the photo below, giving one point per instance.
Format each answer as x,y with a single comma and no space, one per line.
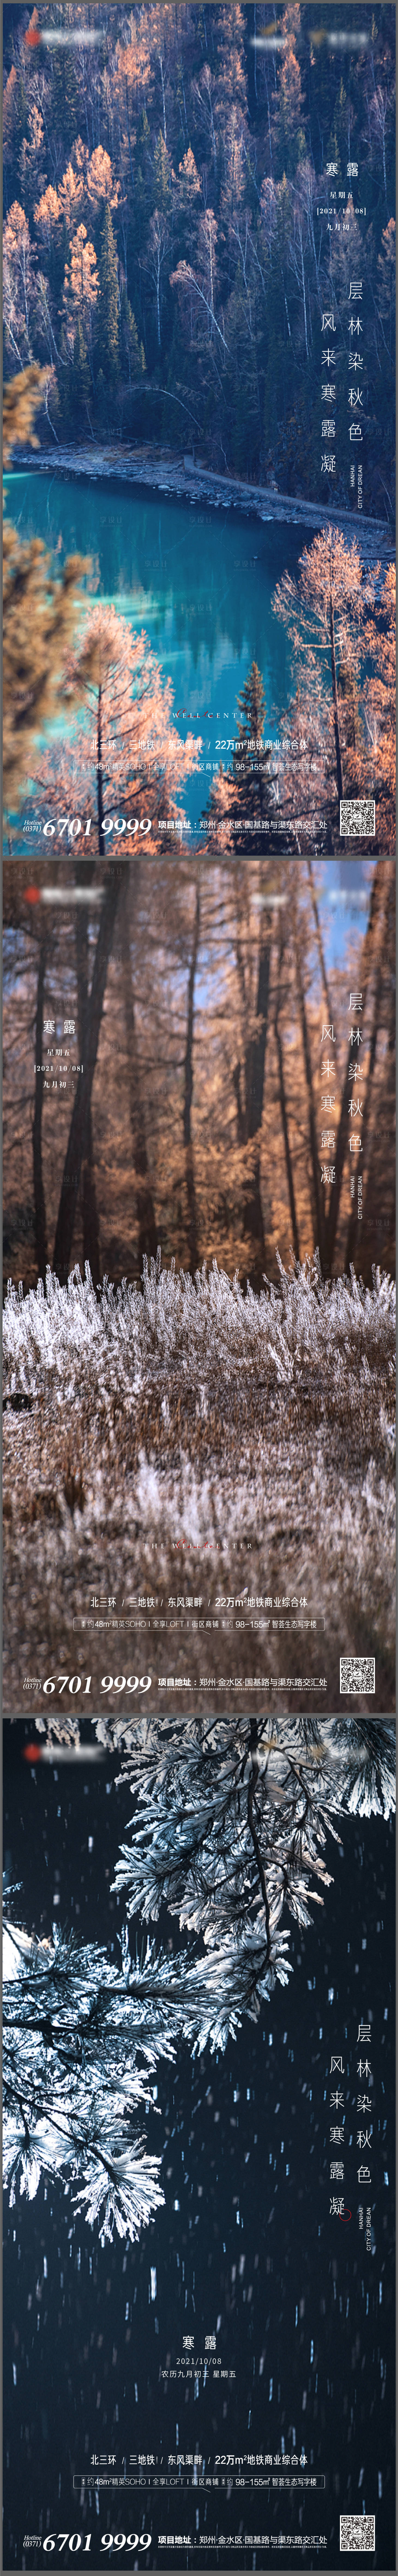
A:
201,586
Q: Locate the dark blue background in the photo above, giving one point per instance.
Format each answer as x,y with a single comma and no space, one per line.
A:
251,2242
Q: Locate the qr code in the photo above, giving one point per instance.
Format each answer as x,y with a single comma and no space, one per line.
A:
357,2531
357,1673
357,817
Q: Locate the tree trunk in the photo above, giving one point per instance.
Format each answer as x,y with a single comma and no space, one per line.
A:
282,1097
319,941
252,1219
145,1213
38,1184
355,1225
91,1250
238,1097
318,1213
163,99
342,1139
335,700
129,141
188,1089
250,1111
255,1051
82,1101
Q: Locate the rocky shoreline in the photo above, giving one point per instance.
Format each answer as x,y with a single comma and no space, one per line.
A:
159,470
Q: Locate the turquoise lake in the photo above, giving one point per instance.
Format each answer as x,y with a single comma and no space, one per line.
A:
200,582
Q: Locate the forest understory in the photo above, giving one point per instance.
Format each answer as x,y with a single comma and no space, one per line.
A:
220,1467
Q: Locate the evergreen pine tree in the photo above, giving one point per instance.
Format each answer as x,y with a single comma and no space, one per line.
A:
250,759
108,332
132,353
243,792
229,1832
81,371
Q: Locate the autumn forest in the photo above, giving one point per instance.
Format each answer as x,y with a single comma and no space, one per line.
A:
187,1107
167,249
170,244
209,1355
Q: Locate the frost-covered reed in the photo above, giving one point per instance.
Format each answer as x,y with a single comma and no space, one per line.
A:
119,1338
257,1431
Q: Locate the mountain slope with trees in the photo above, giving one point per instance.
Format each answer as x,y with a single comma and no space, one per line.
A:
170,240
